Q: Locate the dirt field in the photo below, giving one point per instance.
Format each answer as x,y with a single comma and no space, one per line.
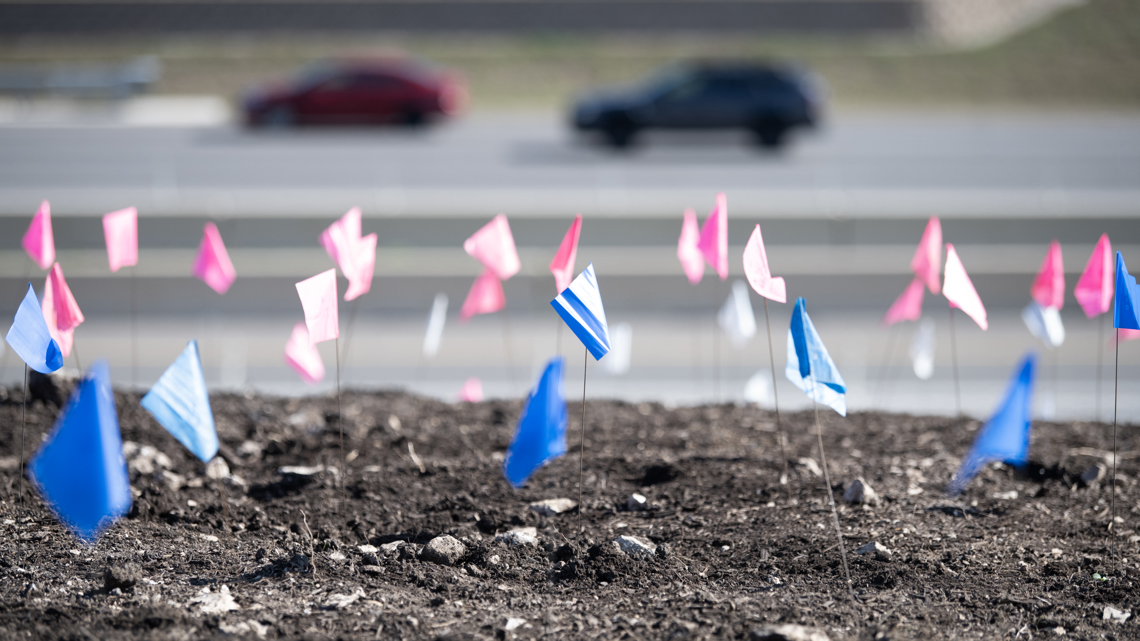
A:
736,552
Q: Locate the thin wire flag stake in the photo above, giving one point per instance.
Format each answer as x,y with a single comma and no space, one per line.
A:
1125,315
831,500
776,399
582,442
954,360
811,369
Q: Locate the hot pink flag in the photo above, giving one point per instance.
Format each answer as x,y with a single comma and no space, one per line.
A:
303,356
494,246
318,299
928,257
563,264
65,338
1095,287
486,296
756,269
692,262
364,263
908,306
472,391
67,313
1049,286
958,289
338,239
121,231
354,255
39,241
714,237
213,264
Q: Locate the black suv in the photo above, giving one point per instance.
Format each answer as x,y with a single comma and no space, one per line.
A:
768,100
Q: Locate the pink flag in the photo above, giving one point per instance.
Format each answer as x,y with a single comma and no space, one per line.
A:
756,269
908,306
928,256
303,356
39,241
486,296
65,338
355,256
563,264
364,262
213,264
67,313
318,299
958,289
1049,286
692,262
339,239
121,231
1095,287
494,246
714,237
472,391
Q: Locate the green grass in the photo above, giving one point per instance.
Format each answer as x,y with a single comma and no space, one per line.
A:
1088,56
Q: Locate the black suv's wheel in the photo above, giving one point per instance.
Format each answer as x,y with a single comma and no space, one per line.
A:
619,130
770,133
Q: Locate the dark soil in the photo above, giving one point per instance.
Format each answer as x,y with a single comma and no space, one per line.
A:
736,550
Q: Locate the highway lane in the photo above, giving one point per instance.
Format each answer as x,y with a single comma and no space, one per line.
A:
841,214
860,164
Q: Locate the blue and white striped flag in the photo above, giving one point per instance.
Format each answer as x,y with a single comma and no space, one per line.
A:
810,367
580,305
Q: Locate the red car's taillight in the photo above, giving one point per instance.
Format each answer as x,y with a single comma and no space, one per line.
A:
452,97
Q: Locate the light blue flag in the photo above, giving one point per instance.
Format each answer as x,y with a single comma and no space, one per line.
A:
180,403
1125,314
80,471
809,365
30,338
580,305
1005,437
541,434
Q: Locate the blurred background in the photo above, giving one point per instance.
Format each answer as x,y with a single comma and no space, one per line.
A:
1016,122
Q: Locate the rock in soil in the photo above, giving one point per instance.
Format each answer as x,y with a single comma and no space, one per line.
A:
123,577
1114,615
635,547
636,503
215,602
552,507
443,550
787,633
875,549
1094,474
860,492
518,536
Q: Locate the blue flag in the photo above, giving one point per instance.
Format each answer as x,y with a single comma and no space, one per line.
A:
809,365
80,471
1005,437
180,403
580,305
30,338
541,434
1125,314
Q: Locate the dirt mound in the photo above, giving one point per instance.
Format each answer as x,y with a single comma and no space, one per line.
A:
307,548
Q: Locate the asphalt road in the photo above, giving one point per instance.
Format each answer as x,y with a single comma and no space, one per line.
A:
881,164
841,212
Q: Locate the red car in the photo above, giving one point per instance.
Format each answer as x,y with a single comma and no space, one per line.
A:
377,91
